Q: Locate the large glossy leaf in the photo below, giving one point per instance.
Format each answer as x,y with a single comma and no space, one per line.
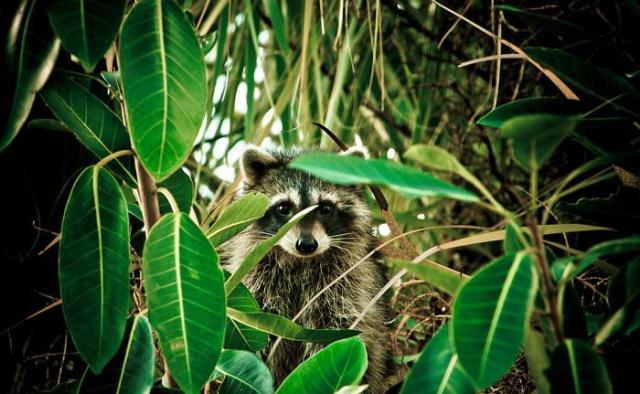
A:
95,125
437,370
94,266
185,294
535,137
86,27
528,106
238,335
490,314
342,363
131,370
163,78
262,249
441,277
350,170
577,368
282,327
244,373
32,53
238,216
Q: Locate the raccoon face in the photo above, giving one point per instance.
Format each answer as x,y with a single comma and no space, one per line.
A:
340,221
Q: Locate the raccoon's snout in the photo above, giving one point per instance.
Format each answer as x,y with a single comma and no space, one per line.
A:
306,244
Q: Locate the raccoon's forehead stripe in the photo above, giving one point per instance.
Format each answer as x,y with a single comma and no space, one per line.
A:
290,195
317,196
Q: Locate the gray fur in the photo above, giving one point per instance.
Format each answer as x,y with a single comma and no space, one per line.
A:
282,283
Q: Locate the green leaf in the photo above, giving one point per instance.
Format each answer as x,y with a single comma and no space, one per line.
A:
32,53
535,137
621,320
351,170
441,277
238,335
163,78
513,243
86,27
93,123
342,363
551,24
624,284
608,248
278,25
131,370
243,373
94,266
577,368
181,188
437,370
435,158
262,249
490,314
537,358
529,106
282,327
238,216
185,294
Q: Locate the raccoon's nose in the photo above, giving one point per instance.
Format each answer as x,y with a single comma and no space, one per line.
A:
306,245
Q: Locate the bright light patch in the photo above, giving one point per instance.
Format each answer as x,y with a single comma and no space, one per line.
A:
421,216
384,229
391,153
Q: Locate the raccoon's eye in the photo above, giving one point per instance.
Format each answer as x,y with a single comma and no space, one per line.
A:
325,208
284,208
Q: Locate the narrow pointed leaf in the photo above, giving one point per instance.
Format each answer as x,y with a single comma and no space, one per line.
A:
86,27
185,294
528,106
438,370
238,335
238,216
93,123
94,266
244,373
437,275
163,78
131,370
282,327
490,314
342,363
577,368
32,53
350,170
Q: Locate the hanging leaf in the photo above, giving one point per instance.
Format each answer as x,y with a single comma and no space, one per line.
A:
624,284
605,249
529,106
31,52
441,277
437,370
244,373
238,335
626,318
131,370
94,266
342,363
93,123
185,294
163,78
282,327
238,216
351,170
86,27
181,188
577,368
490,314
535,137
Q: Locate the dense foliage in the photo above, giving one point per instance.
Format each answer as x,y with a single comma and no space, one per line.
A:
504,174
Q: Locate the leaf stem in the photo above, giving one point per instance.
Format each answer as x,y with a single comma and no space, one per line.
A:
172,201
105,160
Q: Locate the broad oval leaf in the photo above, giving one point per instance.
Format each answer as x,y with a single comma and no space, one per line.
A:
86,27
185,294
94,266
439,276
535,137
244,373
238,335
528,106
93,123
32,54
131,370
238,216
351,170
435,157
577,368
282,327
343,363
490,314
437,370
163,78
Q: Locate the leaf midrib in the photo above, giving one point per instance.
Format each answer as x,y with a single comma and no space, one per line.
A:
165,96
96,201
176,246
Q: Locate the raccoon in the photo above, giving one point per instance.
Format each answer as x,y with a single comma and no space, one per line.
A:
326,243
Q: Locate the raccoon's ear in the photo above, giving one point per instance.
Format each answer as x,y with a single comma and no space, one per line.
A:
254,163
